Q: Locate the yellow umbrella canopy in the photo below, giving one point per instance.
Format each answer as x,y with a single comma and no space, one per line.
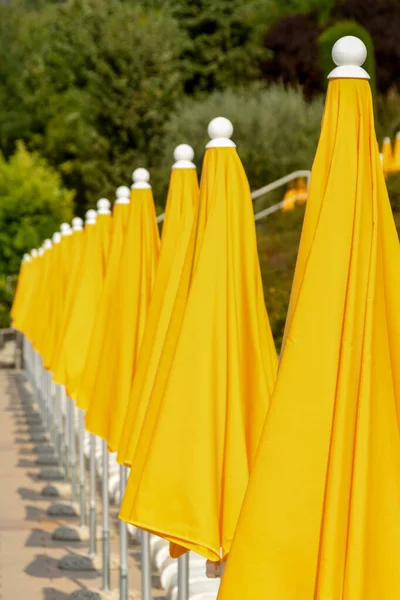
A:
88,291
61,276
128,315
387,155
396,154
289,199
181,206
77,253
204,417
107,300
43,299
321,515
21,290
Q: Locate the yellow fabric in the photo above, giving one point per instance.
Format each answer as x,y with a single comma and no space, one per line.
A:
127,319
85,302
289,199
396,154
215,377
20,292
106,304
61,276
78,244
387,156
182,201
40,327
23,318
321,517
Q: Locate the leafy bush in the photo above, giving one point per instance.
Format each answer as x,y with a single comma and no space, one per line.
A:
33,204
276,131
381,18
328,38
293,45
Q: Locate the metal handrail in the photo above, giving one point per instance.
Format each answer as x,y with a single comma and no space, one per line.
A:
268,188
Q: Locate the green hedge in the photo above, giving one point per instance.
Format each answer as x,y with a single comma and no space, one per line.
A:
332,34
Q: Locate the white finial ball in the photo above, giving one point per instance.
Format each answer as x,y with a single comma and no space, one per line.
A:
386,140
65,228
40,252
184,152
56,237
34,253
349,51
91,214
123,192
47,244
141,176
220,128
77,223
103,205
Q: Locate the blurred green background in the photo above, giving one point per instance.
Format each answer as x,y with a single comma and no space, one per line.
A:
91,89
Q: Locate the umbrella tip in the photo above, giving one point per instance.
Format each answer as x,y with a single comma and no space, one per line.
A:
34,253
386,140
77,224
122,194
40,251
184,155
141,178
26,258
103,206
56,237
91,216
65,229
220,131
47,244
349,53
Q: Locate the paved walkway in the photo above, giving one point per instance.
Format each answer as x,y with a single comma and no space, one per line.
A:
28,556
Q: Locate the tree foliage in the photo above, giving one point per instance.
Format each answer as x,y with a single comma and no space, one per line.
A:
90,84
33,204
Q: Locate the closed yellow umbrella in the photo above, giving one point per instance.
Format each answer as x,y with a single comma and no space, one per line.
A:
78,244
43,300
387,156
321,515
107,300
133,289
181,206
88,291
61,276
204,417
289,199
396,154
21,289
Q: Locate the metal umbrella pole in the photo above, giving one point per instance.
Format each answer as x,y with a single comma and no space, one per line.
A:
123,541
65,430
92,500
146,566
183,577
72,447
82,488
59,426
106,520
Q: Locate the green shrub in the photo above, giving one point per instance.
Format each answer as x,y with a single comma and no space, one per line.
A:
328,38
275,129
33,204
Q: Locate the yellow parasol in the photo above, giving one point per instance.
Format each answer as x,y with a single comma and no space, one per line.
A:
107,300
387,156
289,199
321,515
204,417
128,315
181,206
88,291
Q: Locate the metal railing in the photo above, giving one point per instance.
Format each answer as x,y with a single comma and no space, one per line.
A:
265,190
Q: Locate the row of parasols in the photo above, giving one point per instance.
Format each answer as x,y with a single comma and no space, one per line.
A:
292,474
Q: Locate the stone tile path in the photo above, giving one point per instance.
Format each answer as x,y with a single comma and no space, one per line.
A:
28,555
